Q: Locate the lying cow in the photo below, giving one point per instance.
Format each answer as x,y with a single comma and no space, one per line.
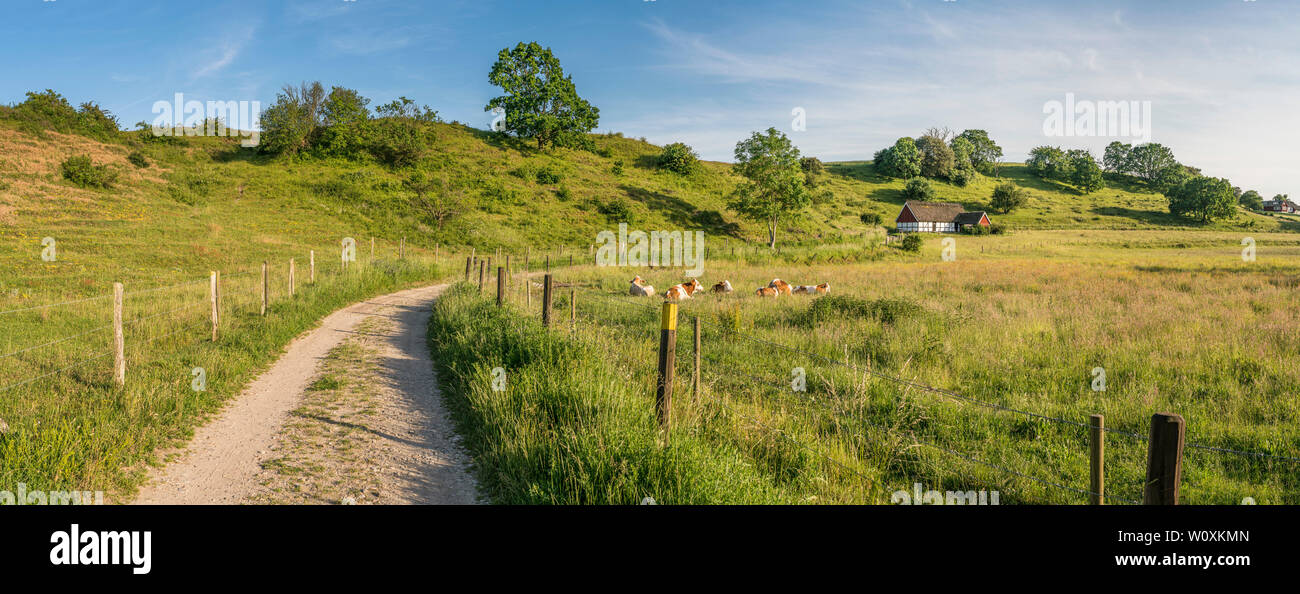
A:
821,289
767,292
722,287
640,289
780,286
682,291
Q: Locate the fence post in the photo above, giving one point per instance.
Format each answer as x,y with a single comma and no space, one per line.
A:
695,379
482,266
1164,459
509,270
570,260
468,261
501,285
573,310
313,267
1097,467
266,287
546,301
528,293
291,282
119,340
548,263
212,295
667,364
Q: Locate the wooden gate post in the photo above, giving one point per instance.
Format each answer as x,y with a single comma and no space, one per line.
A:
667,364
695,379
501,285
1097,466
266,287
212,296
1164,459
546,301
119,340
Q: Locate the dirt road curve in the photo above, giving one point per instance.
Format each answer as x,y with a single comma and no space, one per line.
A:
221,464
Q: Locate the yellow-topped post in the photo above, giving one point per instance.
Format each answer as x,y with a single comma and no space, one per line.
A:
667,363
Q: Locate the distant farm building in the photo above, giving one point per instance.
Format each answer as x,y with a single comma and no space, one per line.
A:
1281,205
937,217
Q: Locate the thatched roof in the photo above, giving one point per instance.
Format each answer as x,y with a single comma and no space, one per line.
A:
934,212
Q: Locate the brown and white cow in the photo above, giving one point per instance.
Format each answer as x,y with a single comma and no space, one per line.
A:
767,292
682,291
823,288
780,286
640,289
723,287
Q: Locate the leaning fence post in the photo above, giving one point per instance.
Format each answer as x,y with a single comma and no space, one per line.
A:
501,285
1164,459
266,287
1097,451
119,340
695,379
546,301
667,363
212,296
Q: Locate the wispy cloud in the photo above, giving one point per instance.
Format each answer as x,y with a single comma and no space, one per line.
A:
218,58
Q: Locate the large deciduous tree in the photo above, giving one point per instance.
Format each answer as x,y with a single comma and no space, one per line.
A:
1206,198
937,159
774,186
903,160
540,101
984,153
1148,160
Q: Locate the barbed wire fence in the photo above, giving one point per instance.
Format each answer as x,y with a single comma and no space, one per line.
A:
731,376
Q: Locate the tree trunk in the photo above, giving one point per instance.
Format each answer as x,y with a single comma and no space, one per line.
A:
771,234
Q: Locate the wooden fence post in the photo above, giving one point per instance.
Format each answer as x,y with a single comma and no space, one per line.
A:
482,266
1164,459
212,295
509,270
546,301
570,260
573,310
667,364
291,282
313,267
469,260
1097,467
119,340
501,285
266,287
695,379
548,263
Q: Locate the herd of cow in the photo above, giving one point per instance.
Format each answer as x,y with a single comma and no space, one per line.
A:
775,288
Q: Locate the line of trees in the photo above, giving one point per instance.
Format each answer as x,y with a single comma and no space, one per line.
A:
340,123
941,154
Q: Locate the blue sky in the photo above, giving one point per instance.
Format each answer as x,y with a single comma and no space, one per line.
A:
1222,77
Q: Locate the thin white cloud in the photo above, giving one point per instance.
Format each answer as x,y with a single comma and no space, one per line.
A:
223,55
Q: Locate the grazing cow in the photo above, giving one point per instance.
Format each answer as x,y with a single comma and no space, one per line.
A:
780,286
823,288
722,287
802,289
768,292
640,289
682,291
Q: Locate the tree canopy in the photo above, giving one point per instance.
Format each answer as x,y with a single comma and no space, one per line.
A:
540,101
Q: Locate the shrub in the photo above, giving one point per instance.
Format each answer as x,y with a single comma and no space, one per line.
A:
1008,197
870,218
618,168
997,229
618,211
679,158
546,176
976,230
963,175
884,310
918,189
911,243
398,142
137,158
564,194
82,171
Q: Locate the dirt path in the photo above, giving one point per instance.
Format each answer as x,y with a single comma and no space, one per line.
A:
404,447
